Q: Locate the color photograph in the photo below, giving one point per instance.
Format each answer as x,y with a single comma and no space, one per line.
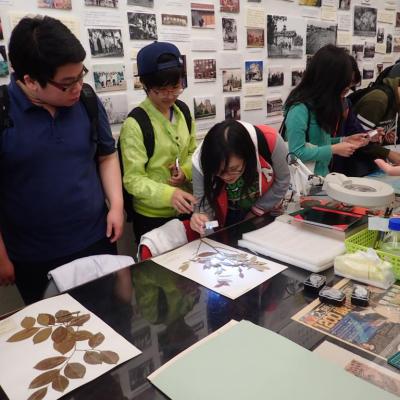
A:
204,107
203,15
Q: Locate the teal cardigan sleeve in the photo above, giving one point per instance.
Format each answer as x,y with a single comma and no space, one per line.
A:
319,148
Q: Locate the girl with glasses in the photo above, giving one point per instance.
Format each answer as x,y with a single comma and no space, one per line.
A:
233,178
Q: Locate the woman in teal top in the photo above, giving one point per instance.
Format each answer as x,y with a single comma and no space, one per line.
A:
314,110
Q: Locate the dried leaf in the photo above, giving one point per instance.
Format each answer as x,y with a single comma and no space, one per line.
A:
49,363
46,319
59,334
66,345
64,316
96,340
83,335
39,394
44,379
22,335
207,254
28,322
184,266
60,383
42,335
75,371
79,320
109,357
92,357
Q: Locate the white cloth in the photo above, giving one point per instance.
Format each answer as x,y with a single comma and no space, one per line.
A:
294,244
87,269
165,238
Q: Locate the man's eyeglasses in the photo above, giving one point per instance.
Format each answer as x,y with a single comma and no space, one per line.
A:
64,87
176,91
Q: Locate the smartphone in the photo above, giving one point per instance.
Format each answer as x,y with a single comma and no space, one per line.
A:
371,134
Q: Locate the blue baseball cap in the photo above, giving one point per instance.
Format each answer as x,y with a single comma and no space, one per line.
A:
148,56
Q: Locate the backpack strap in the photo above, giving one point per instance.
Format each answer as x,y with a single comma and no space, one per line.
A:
263,148
5,119
186,113
127,197
146,127
282,128
89,100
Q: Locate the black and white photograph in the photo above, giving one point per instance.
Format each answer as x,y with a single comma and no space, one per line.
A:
56,4
380,35
229,33
369,50
313,3
203,15
232,107
142,26
116,107
138,376
102,3
232,80
253,71
205,70
255,38
106,42
365,20
274,106
276,76
389,43
396,44
109,77
137,85
319,34
285,36
368,72
4,71
229,6
344,4
142,338
1,30
397,25
357,51
174,19
297,75
141,3
204,107
379,68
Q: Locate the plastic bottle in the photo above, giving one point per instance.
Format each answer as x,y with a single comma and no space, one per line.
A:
391,240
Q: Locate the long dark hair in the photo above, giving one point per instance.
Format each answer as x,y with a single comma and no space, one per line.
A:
328,73
223,140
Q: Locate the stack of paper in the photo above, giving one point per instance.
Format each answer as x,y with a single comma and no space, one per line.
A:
294,244
246,361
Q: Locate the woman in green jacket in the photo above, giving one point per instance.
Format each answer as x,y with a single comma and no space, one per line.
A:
313,110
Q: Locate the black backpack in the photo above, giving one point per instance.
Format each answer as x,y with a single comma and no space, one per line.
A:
141,117
87,97
378,84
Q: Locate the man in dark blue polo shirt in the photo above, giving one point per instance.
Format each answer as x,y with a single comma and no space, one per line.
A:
54,178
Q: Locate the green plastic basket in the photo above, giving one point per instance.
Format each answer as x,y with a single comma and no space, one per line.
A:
364,239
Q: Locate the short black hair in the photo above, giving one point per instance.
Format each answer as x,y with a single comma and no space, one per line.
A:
166,77
39,45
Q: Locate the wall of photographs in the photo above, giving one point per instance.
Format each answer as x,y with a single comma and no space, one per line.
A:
242,56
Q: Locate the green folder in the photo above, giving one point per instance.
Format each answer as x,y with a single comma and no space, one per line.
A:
247,362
